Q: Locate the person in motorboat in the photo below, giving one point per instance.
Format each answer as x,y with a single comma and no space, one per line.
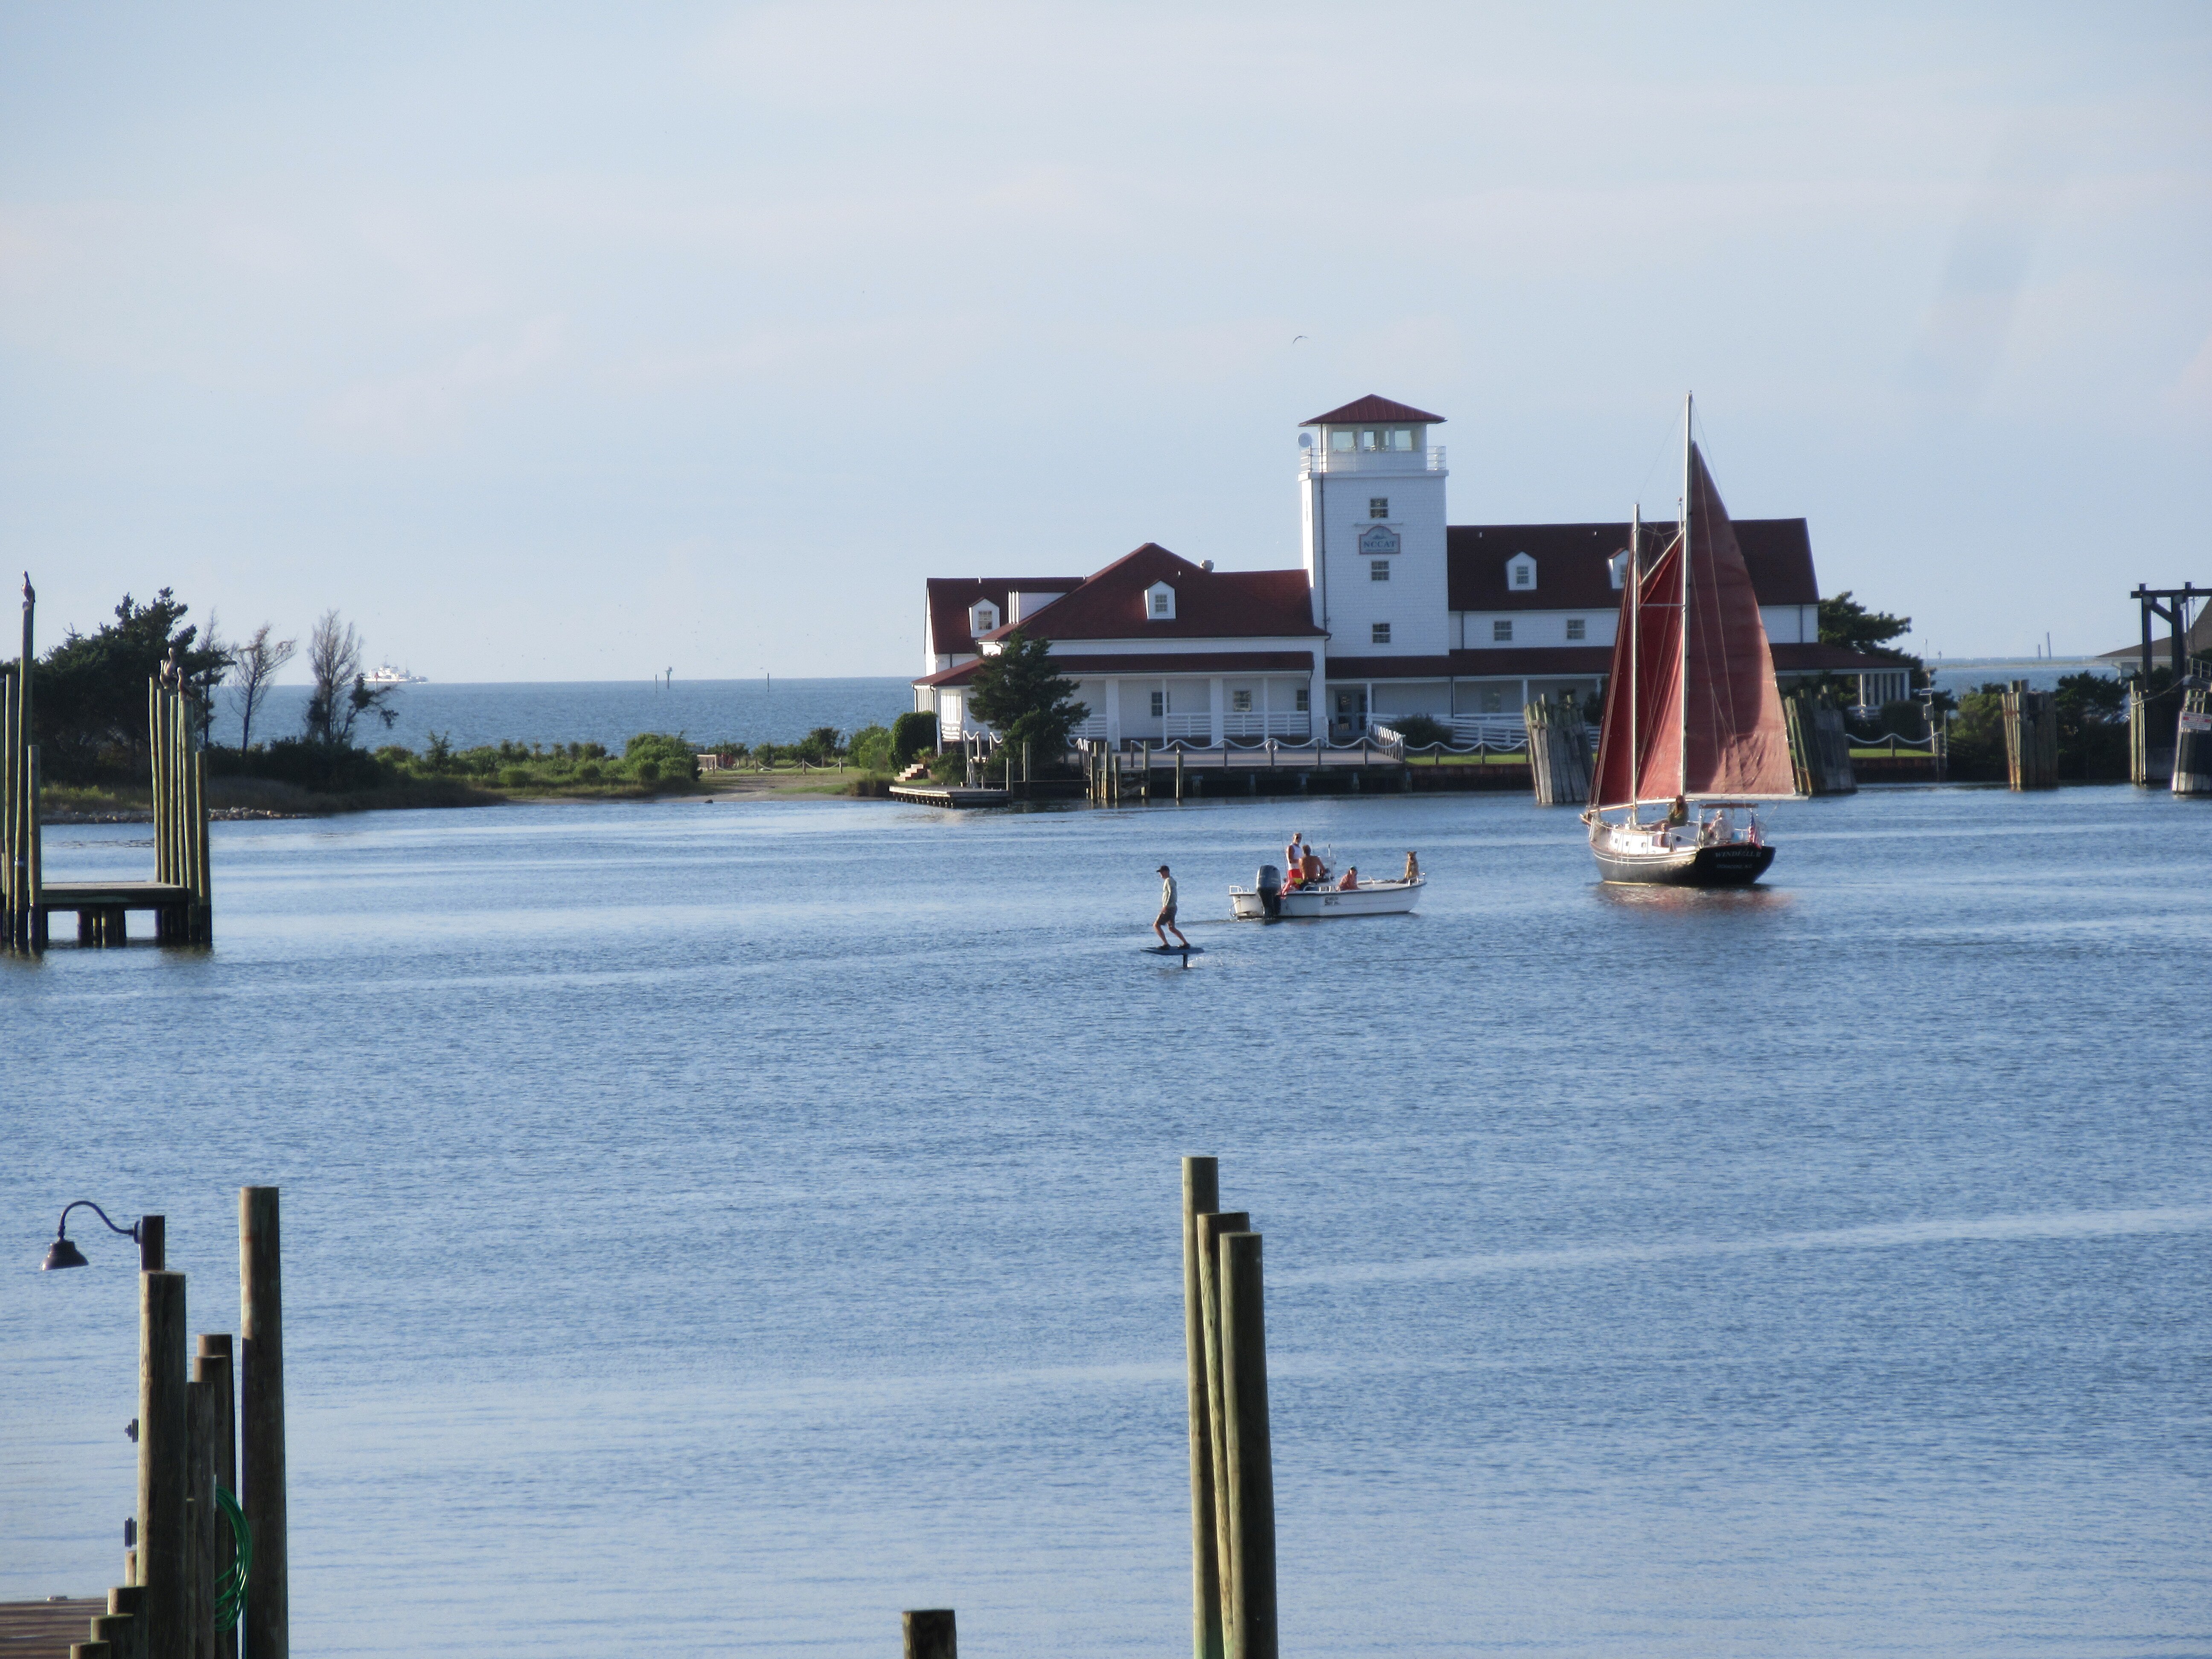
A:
1311,870
1413,867
1295,852
1166,919
1351,882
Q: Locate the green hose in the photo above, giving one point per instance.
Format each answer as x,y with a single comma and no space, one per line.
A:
230,1585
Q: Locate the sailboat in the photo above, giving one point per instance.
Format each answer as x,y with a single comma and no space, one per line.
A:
1693,742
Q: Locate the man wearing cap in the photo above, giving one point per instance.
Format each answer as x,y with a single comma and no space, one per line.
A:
1166,917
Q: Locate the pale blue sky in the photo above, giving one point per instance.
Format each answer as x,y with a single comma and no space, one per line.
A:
558,342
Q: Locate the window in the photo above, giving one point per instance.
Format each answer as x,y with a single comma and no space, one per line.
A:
1305,699
1524,574
1378,570
1367,440
983,618
1493,701
1402,439
1159,603
1575,629
1501,633
1380,634
1340,442
1159,704
1378,506
1617,567
1240,702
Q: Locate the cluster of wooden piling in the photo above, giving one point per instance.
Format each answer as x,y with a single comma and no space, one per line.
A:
2031,734
1820,747
21,922
180,814
1559,757
2192,745
1232,1484
210,1445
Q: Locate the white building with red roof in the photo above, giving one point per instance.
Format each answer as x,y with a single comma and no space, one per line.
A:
1394,611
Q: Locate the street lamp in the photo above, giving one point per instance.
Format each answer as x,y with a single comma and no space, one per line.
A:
146,1233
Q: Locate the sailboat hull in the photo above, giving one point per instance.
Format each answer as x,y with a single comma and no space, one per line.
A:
1737,863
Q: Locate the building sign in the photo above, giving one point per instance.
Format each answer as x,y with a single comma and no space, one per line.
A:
2193,721
1378,539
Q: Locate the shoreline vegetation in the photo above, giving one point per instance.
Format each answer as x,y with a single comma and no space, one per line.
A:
294,778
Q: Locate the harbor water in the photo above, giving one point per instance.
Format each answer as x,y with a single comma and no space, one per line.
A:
712,1228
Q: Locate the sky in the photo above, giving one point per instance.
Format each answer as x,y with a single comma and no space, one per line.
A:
572,343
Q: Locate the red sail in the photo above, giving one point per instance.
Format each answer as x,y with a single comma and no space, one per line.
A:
1733,739
1653,608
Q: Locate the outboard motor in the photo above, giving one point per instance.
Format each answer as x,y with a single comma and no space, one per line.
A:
1269,882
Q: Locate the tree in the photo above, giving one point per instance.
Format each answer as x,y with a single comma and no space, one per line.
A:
912,733
254,667
1018,691
871,749
89,706
342,693
1845,621
820,746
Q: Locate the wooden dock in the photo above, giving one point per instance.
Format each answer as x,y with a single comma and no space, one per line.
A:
952,796
45,1630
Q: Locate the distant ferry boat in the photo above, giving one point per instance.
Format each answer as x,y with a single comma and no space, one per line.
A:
387,675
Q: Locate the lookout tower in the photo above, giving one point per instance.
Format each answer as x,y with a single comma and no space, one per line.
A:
1371,512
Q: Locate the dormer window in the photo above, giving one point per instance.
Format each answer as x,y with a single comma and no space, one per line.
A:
1520,573
1618,568
1159,603
982,618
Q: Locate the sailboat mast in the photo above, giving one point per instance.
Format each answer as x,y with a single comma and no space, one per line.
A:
1635,629
1682,775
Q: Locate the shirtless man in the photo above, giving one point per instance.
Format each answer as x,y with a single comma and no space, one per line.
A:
1166,917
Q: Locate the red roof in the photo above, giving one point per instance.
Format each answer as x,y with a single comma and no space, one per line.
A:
1573,563
1538,662
1149,664
1209,604
1373,411
950,598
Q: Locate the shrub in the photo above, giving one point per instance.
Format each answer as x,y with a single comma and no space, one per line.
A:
871,749
1420,731
911,733
516,777
949,767
325,768
588,772
648,772
820,746
672,757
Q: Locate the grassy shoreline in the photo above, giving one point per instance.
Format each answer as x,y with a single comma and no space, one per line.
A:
234,799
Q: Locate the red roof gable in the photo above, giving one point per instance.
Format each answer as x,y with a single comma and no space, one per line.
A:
951,597
1362,411
1209,604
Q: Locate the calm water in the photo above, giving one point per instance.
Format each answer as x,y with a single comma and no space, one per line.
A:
599,711
720,1226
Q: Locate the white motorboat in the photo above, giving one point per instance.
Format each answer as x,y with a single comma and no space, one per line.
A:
1267,901
385,674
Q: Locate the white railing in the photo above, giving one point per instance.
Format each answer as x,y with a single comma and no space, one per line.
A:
1094,728
1311,461
1271,724
1187,726
1492,731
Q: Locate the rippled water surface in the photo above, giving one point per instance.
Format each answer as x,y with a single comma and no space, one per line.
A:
710,1229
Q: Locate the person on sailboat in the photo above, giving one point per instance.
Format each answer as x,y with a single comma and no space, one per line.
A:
1679,813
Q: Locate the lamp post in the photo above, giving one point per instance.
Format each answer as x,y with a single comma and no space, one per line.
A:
147,1233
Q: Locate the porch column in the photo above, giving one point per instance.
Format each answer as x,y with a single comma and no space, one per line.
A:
1367,719
1267,710
1114,714
1317,696
1213,709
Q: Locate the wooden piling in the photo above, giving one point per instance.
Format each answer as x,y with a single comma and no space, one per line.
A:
1178,774
1559,753
211,1369
1210,1228
261,1423
200,1441
119,1631
2192,745
164,1542
928,1633
90,1650
1251,1465
2030,730
1201,1195
128,1601
152,1243
1820,747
